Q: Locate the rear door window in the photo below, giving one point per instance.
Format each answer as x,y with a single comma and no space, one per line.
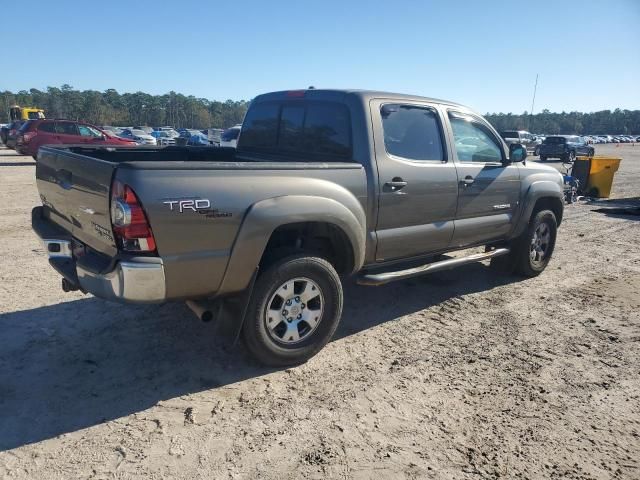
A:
66,128
412,132
48,127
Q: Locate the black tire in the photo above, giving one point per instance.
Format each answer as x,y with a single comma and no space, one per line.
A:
521,251
543,158
264,345
571,156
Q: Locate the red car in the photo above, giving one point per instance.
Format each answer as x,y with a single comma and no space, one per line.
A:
35,133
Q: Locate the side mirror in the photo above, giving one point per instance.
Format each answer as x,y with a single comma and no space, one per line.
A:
517,153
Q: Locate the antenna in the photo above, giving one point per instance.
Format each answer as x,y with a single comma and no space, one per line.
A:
533,102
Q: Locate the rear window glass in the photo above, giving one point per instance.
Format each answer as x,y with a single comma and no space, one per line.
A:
412,132
260,127
25,127
48,127
554,140
321,130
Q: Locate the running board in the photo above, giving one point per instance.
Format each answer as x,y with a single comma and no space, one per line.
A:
382,278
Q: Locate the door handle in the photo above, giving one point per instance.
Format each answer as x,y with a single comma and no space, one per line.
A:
468,180
396,184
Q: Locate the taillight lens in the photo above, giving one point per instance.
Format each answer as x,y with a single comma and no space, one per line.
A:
26,137
129,221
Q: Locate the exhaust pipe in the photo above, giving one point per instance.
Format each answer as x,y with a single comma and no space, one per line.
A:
67,286
201,310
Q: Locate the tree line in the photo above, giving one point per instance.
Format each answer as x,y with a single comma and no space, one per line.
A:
605,122
126,109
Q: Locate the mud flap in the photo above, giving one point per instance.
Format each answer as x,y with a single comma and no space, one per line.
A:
231,314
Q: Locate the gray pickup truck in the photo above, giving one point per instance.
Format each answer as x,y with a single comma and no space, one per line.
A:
323,184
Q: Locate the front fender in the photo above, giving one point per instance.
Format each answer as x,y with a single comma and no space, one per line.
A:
265,216
538,188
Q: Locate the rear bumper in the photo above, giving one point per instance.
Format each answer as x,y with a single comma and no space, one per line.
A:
131,280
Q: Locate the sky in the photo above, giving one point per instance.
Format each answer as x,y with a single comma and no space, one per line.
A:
484,54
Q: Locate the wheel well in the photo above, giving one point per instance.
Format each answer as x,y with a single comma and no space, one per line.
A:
322,239
550,203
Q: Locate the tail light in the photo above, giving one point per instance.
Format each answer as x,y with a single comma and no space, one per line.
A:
130,224
26,137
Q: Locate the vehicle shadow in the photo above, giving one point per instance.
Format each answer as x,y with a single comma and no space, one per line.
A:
80,363
624,208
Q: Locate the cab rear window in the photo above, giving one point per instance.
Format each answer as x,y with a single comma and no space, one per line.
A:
554,140
306,130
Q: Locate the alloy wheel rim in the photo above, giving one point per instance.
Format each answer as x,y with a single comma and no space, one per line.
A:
540,244
294,311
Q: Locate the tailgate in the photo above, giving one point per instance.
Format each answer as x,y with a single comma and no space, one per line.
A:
74,190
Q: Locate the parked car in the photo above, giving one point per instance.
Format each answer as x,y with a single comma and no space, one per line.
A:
522,137
10,133
144,128
138,136
198,139
565,147
165,137
229,137
35,133
357,183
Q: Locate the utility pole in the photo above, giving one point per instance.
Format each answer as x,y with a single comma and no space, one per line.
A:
533,102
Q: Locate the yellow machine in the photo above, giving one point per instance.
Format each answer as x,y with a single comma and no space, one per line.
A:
25,113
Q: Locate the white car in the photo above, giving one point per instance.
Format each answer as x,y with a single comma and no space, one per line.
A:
139,136
229,137
166,137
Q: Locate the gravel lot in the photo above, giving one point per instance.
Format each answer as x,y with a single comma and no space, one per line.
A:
460,375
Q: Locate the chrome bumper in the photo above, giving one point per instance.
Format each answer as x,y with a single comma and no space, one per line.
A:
129,281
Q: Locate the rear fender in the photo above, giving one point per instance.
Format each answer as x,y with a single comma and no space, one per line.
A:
265,216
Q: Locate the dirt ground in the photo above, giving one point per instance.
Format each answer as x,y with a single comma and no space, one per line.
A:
460,375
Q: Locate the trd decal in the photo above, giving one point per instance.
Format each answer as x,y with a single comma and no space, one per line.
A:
196,205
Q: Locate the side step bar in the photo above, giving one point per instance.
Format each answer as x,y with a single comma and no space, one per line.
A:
374,279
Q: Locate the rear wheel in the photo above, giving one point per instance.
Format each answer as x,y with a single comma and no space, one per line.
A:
294,310
543,158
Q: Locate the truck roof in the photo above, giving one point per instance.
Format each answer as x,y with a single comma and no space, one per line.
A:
339,94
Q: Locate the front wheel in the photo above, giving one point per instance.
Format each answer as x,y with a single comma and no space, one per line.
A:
294,310
532,251
571,157
543,158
